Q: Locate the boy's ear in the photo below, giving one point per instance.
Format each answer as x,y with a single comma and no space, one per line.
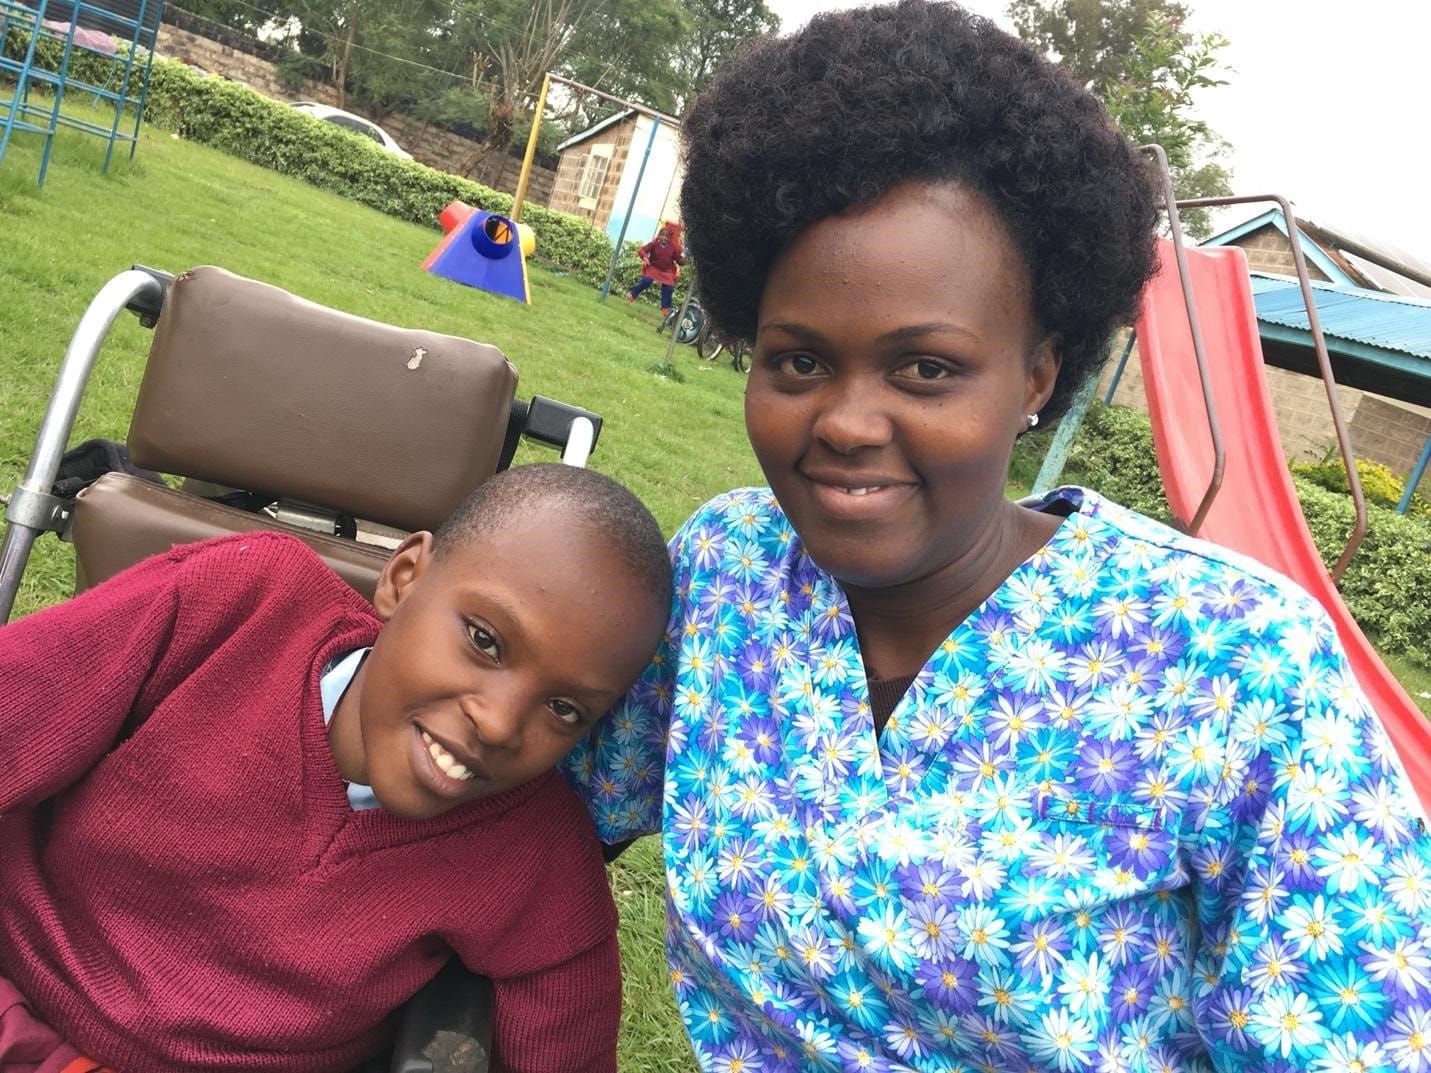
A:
408,562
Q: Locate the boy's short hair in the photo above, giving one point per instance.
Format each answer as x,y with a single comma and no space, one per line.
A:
796,129
597,507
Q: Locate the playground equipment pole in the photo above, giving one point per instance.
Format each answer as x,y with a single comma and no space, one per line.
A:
547,80
531,153
630,208
1122,364
1057,456
665,363
1414,478
1324,361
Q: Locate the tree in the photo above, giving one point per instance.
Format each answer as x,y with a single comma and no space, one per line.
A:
1138,57
718,28
475,65
395,64
629,48
385,40
235,14
1093,39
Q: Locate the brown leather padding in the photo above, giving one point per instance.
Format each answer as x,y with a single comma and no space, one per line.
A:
251,387
120,519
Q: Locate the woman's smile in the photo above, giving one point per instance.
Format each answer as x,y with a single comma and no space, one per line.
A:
859,499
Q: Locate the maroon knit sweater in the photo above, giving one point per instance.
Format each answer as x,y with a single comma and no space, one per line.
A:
183,885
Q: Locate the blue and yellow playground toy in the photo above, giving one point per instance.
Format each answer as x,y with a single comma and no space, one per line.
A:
483,250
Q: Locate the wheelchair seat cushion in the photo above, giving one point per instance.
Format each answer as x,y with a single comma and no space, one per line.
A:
120,519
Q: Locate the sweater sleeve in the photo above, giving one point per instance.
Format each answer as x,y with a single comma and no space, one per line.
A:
71,675
563,1018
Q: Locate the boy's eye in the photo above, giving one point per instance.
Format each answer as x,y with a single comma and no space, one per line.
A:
925,369
483,641
565,710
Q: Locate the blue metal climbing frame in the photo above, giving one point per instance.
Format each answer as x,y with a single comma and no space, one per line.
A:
103,49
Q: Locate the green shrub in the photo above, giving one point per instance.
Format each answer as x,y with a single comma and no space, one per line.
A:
1114,453
1387,585
298,67
85,66
1379,484
243,123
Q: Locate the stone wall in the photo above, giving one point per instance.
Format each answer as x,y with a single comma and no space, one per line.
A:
1392,433
238,65
430,145
1268,250
1383,430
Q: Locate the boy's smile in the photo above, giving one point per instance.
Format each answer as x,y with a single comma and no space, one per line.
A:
496,656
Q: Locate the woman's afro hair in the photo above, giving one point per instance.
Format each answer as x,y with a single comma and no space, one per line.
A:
798,128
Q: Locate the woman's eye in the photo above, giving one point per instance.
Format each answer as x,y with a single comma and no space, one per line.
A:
798,364
564,710
483,641
926,369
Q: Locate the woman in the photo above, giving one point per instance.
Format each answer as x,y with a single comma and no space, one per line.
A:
949,782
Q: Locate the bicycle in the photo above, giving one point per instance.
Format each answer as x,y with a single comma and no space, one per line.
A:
697,330
709,346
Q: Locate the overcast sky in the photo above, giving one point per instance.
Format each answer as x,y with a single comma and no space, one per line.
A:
1355,150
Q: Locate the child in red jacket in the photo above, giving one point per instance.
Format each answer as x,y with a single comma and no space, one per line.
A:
245,814
661,259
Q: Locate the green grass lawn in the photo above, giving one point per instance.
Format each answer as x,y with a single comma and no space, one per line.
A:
179,205
675,442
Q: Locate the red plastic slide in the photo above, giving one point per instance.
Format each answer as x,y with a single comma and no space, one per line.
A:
1256,511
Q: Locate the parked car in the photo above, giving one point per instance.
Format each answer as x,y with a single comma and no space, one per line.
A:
356,123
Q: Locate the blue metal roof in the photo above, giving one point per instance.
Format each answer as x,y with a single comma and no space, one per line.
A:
1356,315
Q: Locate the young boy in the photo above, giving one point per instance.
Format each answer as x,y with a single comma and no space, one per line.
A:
244,814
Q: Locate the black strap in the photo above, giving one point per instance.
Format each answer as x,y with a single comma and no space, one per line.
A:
87,462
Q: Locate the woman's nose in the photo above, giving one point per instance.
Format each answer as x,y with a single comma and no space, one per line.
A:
851,416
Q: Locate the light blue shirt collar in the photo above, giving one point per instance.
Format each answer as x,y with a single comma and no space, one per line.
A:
331,687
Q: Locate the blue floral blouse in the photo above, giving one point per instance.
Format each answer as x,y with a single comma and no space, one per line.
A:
1133,814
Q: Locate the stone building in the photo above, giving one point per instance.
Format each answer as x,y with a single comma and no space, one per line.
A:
621,174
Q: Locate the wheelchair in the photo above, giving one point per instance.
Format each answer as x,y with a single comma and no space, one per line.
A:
273,412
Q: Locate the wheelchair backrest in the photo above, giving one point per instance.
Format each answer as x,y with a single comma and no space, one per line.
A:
328,414
252,387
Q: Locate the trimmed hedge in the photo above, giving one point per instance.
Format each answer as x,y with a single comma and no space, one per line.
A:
244,123
1379,484
1387,585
